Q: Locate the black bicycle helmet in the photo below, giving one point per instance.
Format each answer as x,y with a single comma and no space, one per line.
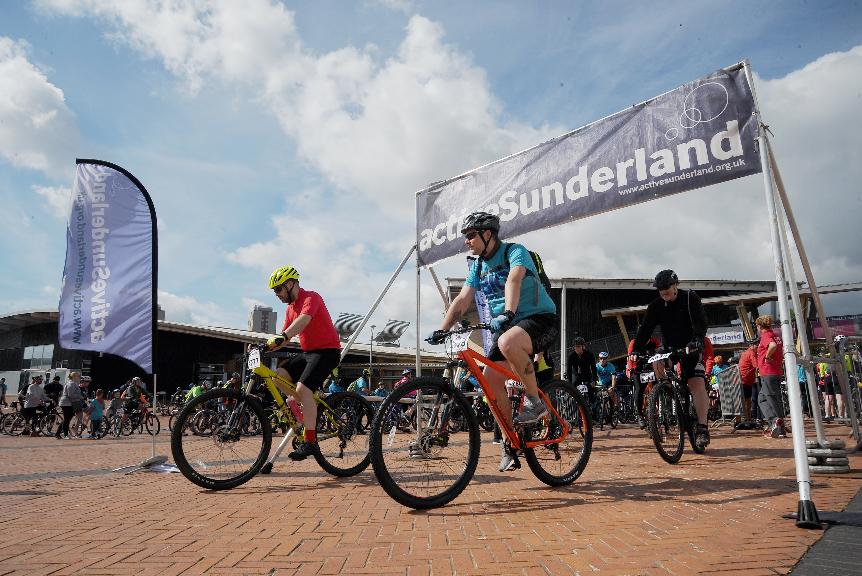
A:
481,221
665,279
580,341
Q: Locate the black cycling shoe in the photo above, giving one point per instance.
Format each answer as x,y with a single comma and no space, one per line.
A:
303,451
701,435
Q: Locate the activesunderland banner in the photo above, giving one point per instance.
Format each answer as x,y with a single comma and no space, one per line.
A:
109,280
699,134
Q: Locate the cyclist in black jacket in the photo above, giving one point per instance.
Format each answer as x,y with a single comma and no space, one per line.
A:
582,367
683,325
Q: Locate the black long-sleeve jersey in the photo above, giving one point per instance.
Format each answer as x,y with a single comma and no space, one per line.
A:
681,321
582,368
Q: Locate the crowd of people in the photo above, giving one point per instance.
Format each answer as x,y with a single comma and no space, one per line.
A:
73,400
523,324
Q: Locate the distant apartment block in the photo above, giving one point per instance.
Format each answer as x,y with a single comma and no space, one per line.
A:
262,319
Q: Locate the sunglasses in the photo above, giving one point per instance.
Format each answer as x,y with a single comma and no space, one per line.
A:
278,288
471,235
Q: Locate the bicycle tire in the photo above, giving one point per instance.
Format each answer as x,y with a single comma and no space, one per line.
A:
223,459
485,418
609,412
47,423
152,422
342,446
561,463
665,413
430,470
18,424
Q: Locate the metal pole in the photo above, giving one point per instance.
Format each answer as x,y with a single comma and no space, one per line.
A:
155,407
376,303
370,357
440,289
564,361
800,329
843,379
806,511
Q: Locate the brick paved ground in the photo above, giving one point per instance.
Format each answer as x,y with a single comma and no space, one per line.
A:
63,512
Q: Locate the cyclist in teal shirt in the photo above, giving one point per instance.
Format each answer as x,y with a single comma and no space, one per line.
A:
524,319
607,374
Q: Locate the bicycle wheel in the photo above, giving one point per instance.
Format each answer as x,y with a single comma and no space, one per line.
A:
153,424
431,467
47,423
342,446
224,458
561,462
665,413
17,425
484,416
609,412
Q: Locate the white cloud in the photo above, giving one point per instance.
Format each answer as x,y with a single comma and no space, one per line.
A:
190,310
381,129
378,130
37,130
58,199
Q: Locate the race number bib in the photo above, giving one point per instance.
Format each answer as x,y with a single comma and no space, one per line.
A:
458,342
253,359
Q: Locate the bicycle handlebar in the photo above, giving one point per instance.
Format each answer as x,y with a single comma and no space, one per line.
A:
459,329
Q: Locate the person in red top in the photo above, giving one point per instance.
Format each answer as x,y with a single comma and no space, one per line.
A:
748,376
308,318
770,362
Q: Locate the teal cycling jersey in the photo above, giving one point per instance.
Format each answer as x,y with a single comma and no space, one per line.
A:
489,276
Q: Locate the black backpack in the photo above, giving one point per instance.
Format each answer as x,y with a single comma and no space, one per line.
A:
540,269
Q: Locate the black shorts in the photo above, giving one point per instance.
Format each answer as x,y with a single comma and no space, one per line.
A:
542,329
130,405
312,367
747,391
691,366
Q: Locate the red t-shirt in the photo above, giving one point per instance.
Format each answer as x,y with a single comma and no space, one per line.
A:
748,367
775,365
320,333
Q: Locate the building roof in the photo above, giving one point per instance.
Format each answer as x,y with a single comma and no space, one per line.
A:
646,284
750,298
35,317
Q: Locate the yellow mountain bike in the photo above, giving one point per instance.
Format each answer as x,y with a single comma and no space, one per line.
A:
222,438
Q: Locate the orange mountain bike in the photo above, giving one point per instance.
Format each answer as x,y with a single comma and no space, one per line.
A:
432,465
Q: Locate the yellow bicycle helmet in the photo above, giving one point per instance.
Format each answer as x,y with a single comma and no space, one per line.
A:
282,275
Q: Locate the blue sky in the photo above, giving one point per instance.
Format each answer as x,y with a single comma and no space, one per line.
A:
271,133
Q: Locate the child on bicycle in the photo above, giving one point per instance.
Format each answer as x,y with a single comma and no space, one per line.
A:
524,318
97,409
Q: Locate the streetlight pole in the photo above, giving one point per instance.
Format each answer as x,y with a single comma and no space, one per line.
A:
370,360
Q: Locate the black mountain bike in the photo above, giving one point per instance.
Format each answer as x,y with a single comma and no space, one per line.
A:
671,413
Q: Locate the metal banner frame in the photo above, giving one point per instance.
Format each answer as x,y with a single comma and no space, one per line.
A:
780,216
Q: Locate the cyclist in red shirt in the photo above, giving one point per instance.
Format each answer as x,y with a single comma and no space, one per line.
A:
308,318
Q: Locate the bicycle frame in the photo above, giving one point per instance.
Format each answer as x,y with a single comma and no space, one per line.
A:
473,359
275,383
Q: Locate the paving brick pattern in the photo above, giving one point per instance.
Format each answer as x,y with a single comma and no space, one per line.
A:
63,513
